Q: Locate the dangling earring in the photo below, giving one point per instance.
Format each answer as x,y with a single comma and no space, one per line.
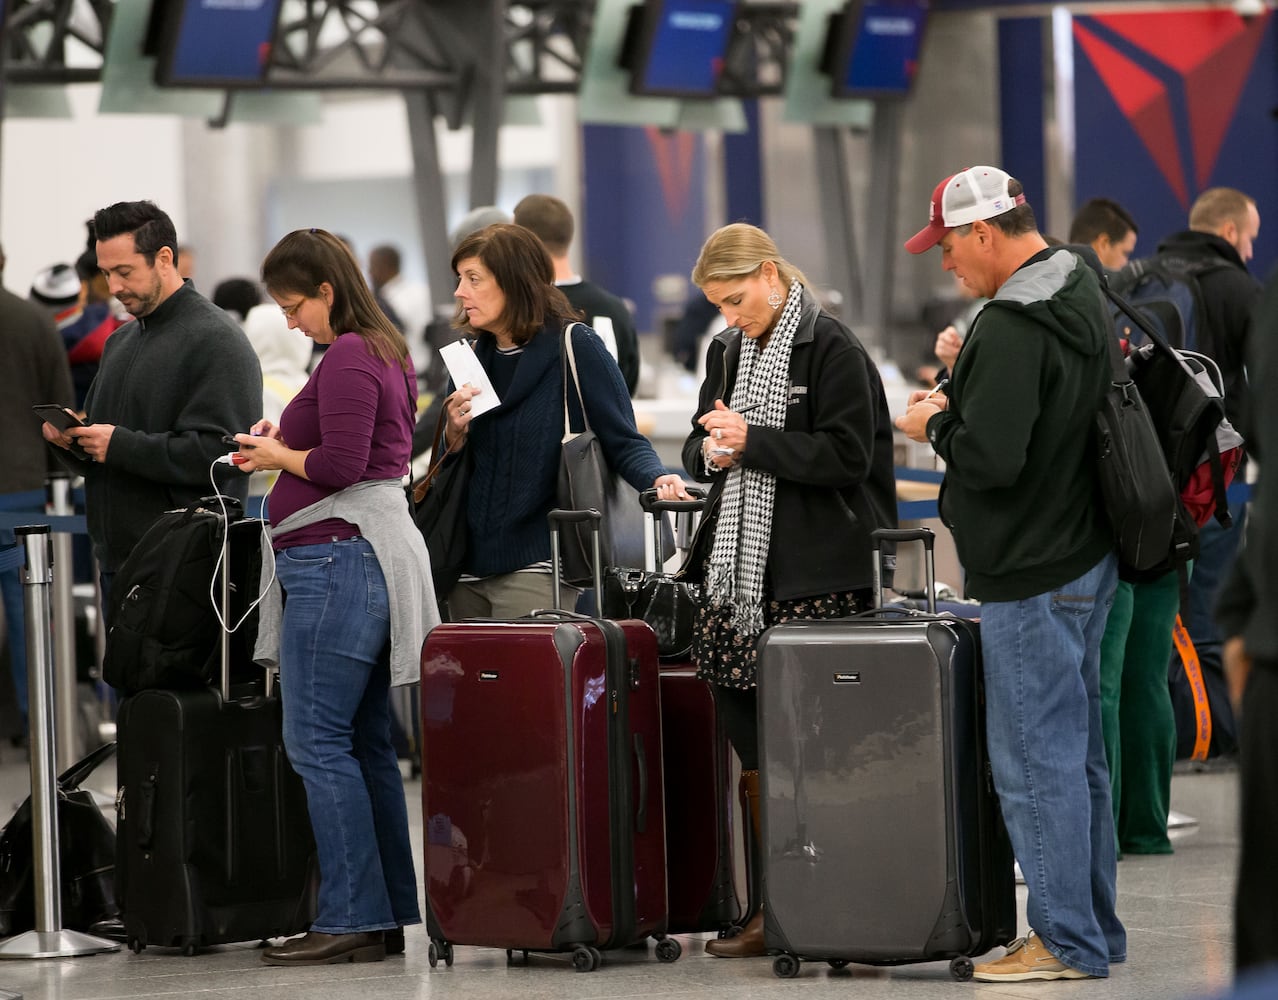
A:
774,299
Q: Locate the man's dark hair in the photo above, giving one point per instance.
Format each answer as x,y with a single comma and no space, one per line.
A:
237,295
387,254
86,265
549,218
151,227
1101,215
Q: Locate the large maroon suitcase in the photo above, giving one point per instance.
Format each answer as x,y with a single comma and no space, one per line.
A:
696,758
542,787
695,764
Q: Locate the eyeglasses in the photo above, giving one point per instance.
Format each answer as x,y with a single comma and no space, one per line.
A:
290,312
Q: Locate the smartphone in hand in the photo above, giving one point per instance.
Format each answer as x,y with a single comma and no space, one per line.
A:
63,419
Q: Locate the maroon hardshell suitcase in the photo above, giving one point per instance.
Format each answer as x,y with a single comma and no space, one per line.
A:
696,765
542,787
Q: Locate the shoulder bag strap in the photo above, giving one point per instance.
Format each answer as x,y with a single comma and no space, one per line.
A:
568,364
422,485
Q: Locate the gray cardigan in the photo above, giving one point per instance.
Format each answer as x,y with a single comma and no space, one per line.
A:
379,508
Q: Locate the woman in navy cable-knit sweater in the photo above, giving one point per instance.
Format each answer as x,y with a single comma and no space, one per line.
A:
508,303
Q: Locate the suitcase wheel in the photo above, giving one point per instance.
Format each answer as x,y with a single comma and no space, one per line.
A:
838,963
189,949
510,956
586,958
785,967
961,968
136,945
668,950
440,950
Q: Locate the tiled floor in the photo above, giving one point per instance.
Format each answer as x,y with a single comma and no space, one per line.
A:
1177,910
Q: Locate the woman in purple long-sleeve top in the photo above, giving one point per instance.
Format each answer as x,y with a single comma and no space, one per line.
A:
340,529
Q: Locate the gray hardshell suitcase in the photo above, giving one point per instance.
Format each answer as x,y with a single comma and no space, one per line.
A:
883,840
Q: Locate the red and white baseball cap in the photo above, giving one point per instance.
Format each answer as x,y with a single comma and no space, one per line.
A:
971,195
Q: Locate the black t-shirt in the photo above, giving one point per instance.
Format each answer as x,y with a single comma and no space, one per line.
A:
595,301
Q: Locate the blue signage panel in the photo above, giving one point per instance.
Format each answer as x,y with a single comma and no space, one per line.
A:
1171,103
218,43
644,209
884,51
686,44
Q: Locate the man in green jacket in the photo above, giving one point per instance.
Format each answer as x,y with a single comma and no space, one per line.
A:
1021,498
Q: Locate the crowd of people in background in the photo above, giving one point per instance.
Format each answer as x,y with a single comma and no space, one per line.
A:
1082,732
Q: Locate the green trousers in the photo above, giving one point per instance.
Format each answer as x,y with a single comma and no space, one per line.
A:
1136,711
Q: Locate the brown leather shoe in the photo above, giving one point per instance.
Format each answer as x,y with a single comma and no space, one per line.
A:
316,948
1027,958
747,944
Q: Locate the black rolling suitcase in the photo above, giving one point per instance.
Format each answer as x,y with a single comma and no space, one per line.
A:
213,840
883,840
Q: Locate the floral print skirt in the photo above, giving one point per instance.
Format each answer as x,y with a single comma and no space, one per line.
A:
725,657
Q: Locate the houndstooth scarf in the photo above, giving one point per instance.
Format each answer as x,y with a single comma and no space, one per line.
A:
744,528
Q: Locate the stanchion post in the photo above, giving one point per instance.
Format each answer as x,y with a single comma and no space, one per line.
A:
70,747
48,940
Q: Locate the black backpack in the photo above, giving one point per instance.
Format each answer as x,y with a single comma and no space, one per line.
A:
1164,288
1183,393
1177,394
163,629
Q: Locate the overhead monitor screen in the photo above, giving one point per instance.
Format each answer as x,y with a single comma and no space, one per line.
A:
217,43
875,48
681,47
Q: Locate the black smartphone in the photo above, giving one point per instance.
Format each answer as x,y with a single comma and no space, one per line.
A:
59,416
230,439
63,419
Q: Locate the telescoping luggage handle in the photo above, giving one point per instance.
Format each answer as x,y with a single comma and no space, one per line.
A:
925,535
557,517
651,508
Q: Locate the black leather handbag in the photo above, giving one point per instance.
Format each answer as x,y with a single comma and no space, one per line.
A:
86,847
667,604
439,511
669,607
586,482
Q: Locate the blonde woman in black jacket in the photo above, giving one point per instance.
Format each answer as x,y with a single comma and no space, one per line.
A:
793,430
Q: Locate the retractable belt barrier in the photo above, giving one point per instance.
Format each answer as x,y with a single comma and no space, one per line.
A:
62,523
49,939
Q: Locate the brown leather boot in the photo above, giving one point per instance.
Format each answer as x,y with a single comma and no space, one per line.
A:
749,943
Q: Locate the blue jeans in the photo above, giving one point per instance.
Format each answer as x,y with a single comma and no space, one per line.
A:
335,683
13,558
1047,751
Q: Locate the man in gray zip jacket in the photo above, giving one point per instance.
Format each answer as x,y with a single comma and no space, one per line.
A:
171,384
